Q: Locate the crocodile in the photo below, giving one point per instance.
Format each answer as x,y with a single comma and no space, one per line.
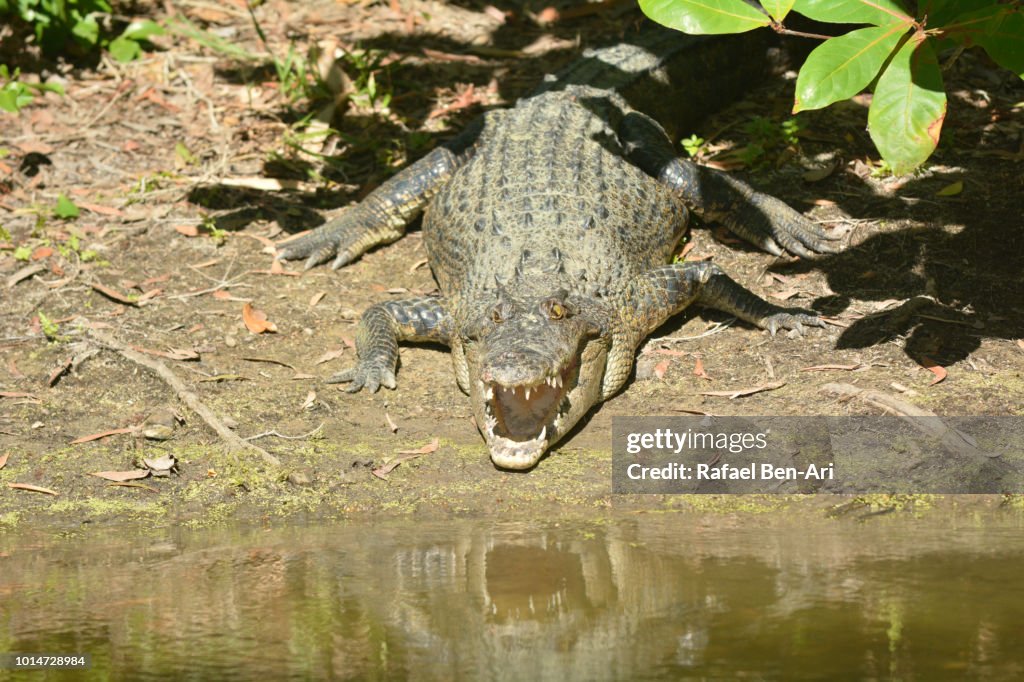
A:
550,229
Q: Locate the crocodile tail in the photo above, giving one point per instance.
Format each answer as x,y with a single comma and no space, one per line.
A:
678,79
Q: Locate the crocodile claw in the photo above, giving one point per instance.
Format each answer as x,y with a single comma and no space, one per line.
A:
792,319
365,375
776,227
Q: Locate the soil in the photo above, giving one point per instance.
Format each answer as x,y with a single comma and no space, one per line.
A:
162,158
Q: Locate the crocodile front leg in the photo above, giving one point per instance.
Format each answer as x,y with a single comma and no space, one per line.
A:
658,294
758,218
383,215
664,291
381,328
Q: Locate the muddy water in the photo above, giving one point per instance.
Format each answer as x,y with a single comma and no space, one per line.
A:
639,596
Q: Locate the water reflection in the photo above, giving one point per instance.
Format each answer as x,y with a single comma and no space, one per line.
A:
632,597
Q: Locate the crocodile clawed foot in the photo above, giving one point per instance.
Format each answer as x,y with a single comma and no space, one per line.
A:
366,376
793,319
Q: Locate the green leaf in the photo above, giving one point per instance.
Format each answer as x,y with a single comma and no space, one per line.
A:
142,30
88,30
877,12
941,12
705,16
1004,42
124,49
65,208
777,8
841,67
9,101
909,106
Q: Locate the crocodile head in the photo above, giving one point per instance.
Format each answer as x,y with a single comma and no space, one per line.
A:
535,367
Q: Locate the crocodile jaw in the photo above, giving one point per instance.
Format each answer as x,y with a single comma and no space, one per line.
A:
519,428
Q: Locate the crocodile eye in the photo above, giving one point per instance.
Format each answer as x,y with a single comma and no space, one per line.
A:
556,310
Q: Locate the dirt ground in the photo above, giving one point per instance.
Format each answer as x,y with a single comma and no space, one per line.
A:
164,159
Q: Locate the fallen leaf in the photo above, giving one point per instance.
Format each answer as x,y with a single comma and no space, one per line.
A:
102,434
15,394
3,459
951,190
114,294
548,15
698,369
25,273
825,368
317,297
121,476
42,252
59,371
32,488
102,210
662,367
269,361
330,355
310,401
731,395
256,320
432,446
404,456
188,231
935,368
417,265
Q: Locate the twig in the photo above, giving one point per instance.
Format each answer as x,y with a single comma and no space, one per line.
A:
783,31
233,441
281,435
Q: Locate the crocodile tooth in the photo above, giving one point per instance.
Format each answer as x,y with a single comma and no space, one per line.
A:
543,433
490,393
527,390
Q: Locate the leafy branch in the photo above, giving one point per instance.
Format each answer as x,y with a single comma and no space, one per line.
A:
897,52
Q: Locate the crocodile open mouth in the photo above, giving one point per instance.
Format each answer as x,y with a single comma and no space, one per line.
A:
520,420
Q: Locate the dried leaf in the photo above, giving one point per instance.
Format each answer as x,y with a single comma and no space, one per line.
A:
32,488
317,297
188,231
330,355
3,459
662,367
731,395
42,252
97,436
102,210
25,273
59,371
951,190
114,294
121,476
432,446
825,368
16,394
256,320
698,369
404,456
935,368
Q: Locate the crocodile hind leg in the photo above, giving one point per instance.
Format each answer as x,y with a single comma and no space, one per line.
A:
658,294
381,328
758,218
383,215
